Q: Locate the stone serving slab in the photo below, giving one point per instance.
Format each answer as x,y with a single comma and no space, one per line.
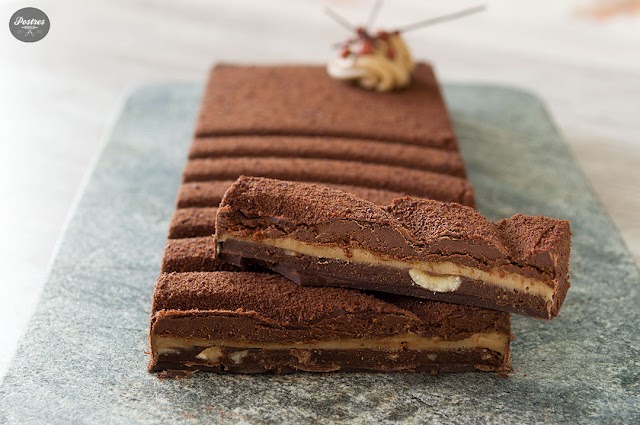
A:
83,359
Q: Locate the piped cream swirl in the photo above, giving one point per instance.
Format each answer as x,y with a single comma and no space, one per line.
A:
386,65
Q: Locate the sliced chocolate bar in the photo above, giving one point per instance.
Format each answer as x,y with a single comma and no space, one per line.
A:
305,101
316,235
253,323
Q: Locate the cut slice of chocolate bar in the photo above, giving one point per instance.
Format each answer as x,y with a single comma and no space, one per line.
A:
315,235
252,323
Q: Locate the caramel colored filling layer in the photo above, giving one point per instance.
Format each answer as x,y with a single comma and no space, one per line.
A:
211,348
417,269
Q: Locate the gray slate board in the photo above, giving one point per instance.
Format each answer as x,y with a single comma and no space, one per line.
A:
82,359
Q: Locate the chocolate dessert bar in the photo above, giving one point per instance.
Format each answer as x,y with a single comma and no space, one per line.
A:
304,101
254,323
316,235
295,123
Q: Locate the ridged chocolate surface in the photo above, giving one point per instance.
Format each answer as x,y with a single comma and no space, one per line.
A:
303,100
192,223
202,194
376,176
193,255
427,159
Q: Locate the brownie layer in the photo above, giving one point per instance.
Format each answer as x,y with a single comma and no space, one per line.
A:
305,101
398,179
263,313
293,360
427,159
435,243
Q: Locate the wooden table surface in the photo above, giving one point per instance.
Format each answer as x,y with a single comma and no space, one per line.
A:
59,96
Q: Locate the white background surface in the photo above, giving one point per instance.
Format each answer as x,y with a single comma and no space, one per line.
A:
59,96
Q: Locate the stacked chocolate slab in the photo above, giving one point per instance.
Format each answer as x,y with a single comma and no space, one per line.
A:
294,123
318,236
